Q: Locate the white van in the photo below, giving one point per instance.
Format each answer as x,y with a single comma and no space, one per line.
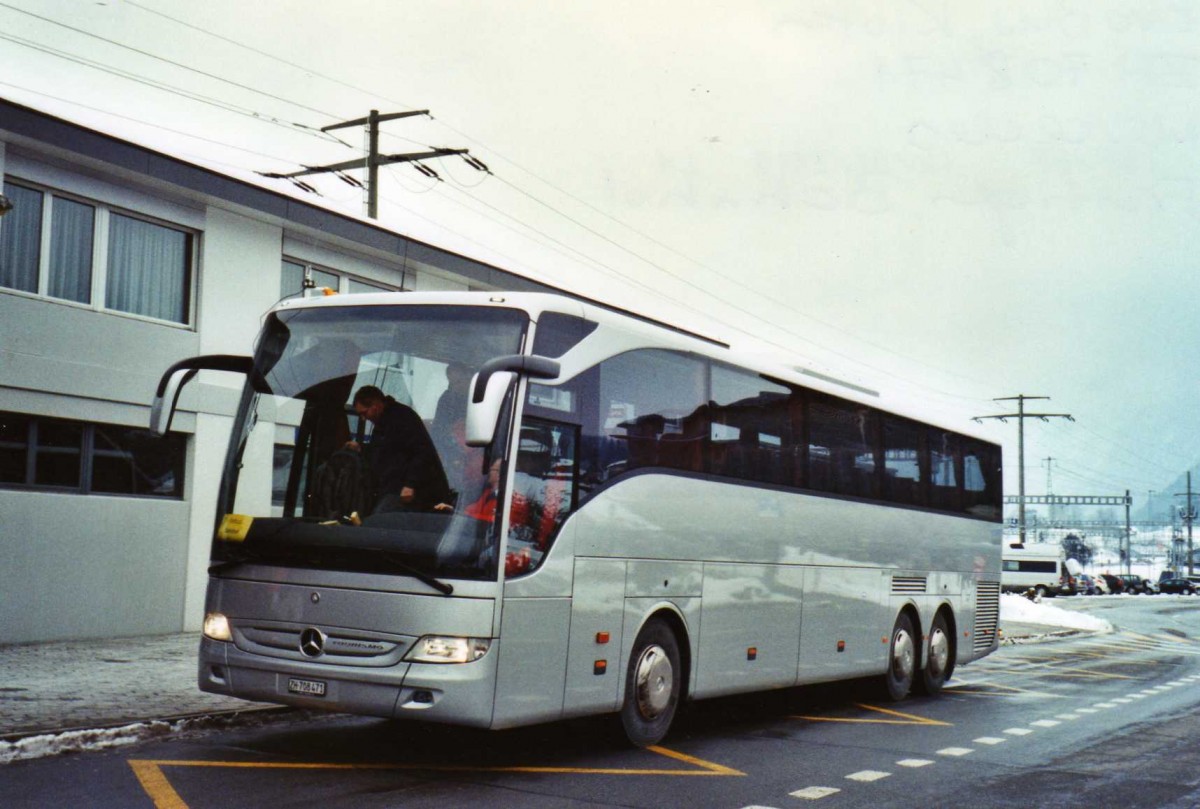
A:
1040,568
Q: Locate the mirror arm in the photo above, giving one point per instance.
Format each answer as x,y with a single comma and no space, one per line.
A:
531,366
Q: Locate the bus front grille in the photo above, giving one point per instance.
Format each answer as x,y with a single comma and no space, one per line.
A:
987,614
319,646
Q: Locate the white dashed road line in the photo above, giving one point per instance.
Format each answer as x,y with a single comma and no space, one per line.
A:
955,751
913,762
990,740
867,776
814,793
1018,731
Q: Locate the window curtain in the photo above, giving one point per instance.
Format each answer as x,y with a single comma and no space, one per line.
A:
147,269
72,225
21,239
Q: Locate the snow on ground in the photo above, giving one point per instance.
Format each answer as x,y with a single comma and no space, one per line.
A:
1018,609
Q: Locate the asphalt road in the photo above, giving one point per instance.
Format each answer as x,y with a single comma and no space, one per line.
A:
1098,721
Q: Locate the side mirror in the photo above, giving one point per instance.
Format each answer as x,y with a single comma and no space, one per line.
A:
489,386
166,395
483,415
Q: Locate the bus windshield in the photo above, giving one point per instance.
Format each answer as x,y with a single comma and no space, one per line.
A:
349,452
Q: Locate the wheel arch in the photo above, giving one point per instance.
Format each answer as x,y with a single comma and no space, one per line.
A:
946,611
674,618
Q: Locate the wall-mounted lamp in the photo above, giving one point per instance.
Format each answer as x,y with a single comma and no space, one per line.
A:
5,205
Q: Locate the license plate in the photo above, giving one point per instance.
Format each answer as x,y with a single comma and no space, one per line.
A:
312,688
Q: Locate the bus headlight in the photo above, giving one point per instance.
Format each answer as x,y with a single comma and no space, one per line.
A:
216,626
440,649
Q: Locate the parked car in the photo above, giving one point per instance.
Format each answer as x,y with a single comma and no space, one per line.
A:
1115,584
1085,585
1136,584
1101,585
1177,585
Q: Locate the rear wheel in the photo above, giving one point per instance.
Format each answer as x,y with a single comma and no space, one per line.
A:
652,685
902,659
939,657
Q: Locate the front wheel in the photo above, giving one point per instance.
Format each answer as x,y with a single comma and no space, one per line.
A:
902,659
939,657
652,685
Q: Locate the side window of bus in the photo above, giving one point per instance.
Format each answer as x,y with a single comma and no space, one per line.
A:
944,464
748,435
558,333
981,480
544,490
902,478
841,446
652,413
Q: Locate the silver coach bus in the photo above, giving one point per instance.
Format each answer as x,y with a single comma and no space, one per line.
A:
626,516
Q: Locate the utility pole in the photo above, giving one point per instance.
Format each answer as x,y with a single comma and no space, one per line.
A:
1128,535
1049,484
1189,515
373,159
1020,416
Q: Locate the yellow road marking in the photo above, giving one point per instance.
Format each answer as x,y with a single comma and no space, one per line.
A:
905,718
1002,690
156,785
150,774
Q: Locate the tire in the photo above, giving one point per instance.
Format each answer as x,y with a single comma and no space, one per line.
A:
939,658
653,683
902,659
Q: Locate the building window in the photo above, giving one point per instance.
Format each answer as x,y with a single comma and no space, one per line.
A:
89,458
291,281
146,269
21,239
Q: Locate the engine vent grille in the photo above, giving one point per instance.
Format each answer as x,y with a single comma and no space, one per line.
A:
908,584
987,614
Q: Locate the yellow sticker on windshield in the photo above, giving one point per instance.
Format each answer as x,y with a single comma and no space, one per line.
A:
234,528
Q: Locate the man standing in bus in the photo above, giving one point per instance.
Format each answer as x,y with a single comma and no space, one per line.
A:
401,457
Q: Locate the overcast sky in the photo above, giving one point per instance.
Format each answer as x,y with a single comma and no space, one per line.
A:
930,197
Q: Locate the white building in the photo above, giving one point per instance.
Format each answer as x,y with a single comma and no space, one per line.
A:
115,261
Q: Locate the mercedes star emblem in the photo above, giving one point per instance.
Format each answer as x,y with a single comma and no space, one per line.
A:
312,642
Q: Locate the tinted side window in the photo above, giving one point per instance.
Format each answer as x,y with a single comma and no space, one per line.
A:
558,333
902,479
981,479
945,463
651,412
841,446
749,431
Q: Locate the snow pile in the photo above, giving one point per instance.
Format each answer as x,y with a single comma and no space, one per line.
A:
1018,609
75,741
50,744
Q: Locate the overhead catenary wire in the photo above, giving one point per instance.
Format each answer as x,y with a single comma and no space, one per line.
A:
755,314
723,301
163,86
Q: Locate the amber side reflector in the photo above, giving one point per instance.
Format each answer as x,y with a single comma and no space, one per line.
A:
841,645
599,667
601,637
752,653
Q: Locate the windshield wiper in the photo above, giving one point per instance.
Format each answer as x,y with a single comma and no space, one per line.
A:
437,584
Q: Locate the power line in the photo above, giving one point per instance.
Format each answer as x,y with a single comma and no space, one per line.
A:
1020,416
756,315
171,62
163,86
